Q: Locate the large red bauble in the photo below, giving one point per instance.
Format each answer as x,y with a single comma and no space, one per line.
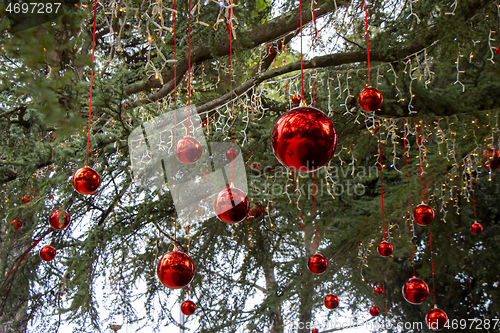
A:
16,224
231,154
374,311
175,270
86,180
492,161
188,150
476,228
370,99
415,290
331,301
317,263
423,214
188,307
56,223
231,205
384,249
304,139
436,319
378,290
47,253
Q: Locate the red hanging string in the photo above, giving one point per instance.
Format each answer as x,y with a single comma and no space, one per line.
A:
432,266
425,169
313,44
419,140
409,217
367,42
315,213
91,82
231,85
473,197
381,182
301,53
175,122
189,67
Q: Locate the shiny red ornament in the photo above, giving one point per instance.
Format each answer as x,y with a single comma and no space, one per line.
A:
423,214
492,161
415,290
16,224
497,50
56,223
476,228
436,319
25,199
317,263
296,99
86,180
331,301
188,307
370,99
304,139
378,290
314,330
188,150
255,212
231,205
47,253
374,311
175,270
231,154
384,249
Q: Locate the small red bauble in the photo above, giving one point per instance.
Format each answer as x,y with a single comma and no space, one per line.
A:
331,301
370,99
25,199
415,290
86,180
296,99
497,50
47,253
476,228
188,150
304,139
16,224
231,205
255,212
175,270
231,154
317,263
374,311
56,223
314,330
188,307
423,214
436,319
378,290
384,249
492,161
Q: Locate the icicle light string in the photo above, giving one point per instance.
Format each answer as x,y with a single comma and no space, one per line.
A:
381,181
91,82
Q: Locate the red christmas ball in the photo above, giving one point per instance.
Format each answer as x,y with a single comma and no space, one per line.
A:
304,139
317,263
231,154
86,180
175,270
47,253
374,311
378,290
16,224
314,330
436,319
231,205
415,290
492,160
255,212
497,50
370,99
384,249
331,301
476,228
56,223
188,150
423,214
25,199
188,307
296,99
